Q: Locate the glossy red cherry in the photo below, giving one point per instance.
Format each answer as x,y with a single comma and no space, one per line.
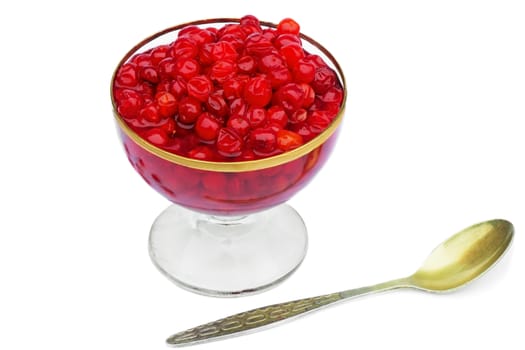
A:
290,97
258,92
222,70
263,141
200,87
324,79
298,116
239,124
286,39
303,71
201,153
187,67
277,115
292,53
246,64
271,61
318,121
229,144
184,48
156,136
127,75
207,127
217,106
189,110
256,117
149,74
129,103
288,26
167,104
149,114
159,53
288,140
234,87
258,45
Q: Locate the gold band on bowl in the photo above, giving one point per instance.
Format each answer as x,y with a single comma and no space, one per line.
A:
231,166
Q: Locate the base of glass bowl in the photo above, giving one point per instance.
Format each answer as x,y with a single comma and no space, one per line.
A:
228,256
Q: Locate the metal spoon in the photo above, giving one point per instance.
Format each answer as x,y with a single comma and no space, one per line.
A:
457,261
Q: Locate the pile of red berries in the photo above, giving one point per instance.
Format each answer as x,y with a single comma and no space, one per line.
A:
235,93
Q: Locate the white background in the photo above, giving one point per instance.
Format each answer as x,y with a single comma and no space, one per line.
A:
433,142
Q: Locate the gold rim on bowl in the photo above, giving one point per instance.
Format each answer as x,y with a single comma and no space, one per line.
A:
230,166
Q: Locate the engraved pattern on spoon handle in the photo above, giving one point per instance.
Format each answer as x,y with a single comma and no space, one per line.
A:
255,318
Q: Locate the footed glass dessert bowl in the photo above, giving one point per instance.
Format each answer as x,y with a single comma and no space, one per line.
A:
228,119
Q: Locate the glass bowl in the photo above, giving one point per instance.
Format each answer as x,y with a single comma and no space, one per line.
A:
228,231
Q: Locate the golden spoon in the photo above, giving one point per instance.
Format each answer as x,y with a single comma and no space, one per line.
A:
457,261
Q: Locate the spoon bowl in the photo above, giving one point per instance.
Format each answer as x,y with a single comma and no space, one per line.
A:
463,257
454,263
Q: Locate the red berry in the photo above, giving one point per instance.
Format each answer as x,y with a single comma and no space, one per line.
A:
238,107
201,153
258,92
149,74
292,53
159,53
169,126
246,64
143,60
127,75
271,61
309,95
239,124
229,144
258,45
217,106
129,103
200,87
303,129
233,88
324,79
277,115
288,140
316,60
223,50
279,77
288,26
156,136
286,39
223,70
232,28
198,35
303,71
189,110
207,127
149,114
250,20
290,97
178,87
256,117
298,116
235,40
187,68
167,68
263,141
167,104
318,121
333,95
184,48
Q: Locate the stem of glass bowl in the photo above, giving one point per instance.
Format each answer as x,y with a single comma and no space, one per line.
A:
228,255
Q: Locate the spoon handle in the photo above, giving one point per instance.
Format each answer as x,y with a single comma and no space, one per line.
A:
265,316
